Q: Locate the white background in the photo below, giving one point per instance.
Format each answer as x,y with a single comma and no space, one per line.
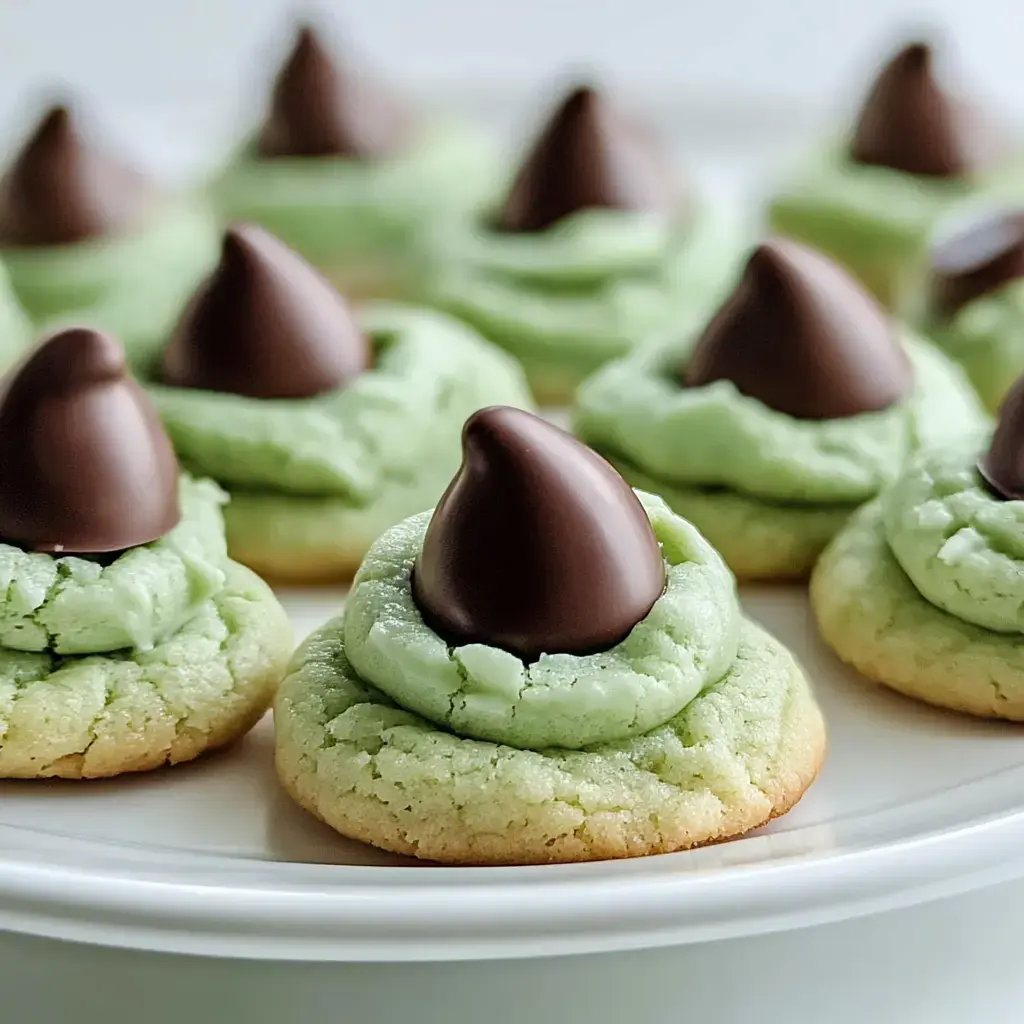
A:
211,53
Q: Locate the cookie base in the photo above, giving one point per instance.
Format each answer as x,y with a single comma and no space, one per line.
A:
741,753
102,715
872,616
758,540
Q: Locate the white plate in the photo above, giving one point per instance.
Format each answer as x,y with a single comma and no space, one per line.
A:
213,858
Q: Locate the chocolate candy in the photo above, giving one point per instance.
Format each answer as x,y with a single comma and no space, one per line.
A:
85,466
589,155
321,108
977,260
265,324
538,545
801,336
60,190
1002,466
910,124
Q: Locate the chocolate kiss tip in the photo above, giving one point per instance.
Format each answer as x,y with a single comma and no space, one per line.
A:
589,155
1002,466
265,324
802,337
85,466
77,356
61,190
538,546
908,122
321,108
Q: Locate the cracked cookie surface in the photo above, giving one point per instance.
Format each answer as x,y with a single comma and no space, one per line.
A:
874,618
98,715
740,753
75,605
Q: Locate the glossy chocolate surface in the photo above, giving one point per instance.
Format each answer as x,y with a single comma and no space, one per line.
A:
803,337
537,546
85,465
265,324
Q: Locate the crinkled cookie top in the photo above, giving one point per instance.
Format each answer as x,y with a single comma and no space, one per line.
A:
347,443
687,641
75,605
713,436
962,547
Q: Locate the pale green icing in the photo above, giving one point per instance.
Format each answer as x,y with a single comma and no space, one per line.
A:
334,209
587,289
687,641
962,547
73,605
713,436
15,328
876,221
986,337
149,269
758,539
429,374
844,195
198,687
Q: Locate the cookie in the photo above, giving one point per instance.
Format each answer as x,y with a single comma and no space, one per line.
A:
128,640
94,716
871,614
548,667
349,176
872,200
568,274
325,428
741,452
78,228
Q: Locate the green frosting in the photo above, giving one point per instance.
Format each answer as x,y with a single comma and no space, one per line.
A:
429,374
875,220
758,539
714,436
75,605
586,290
986,337
15,328
737,753
962,547
141,276
337,210
687,641
100,714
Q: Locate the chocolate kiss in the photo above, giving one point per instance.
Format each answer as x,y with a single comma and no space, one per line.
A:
588,155
85,466
319,108
265,324
910,124
1002,466
60,190
977,260
538,545
801,336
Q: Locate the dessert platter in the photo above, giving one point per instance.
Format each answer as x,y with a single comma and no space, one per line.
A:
655,570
